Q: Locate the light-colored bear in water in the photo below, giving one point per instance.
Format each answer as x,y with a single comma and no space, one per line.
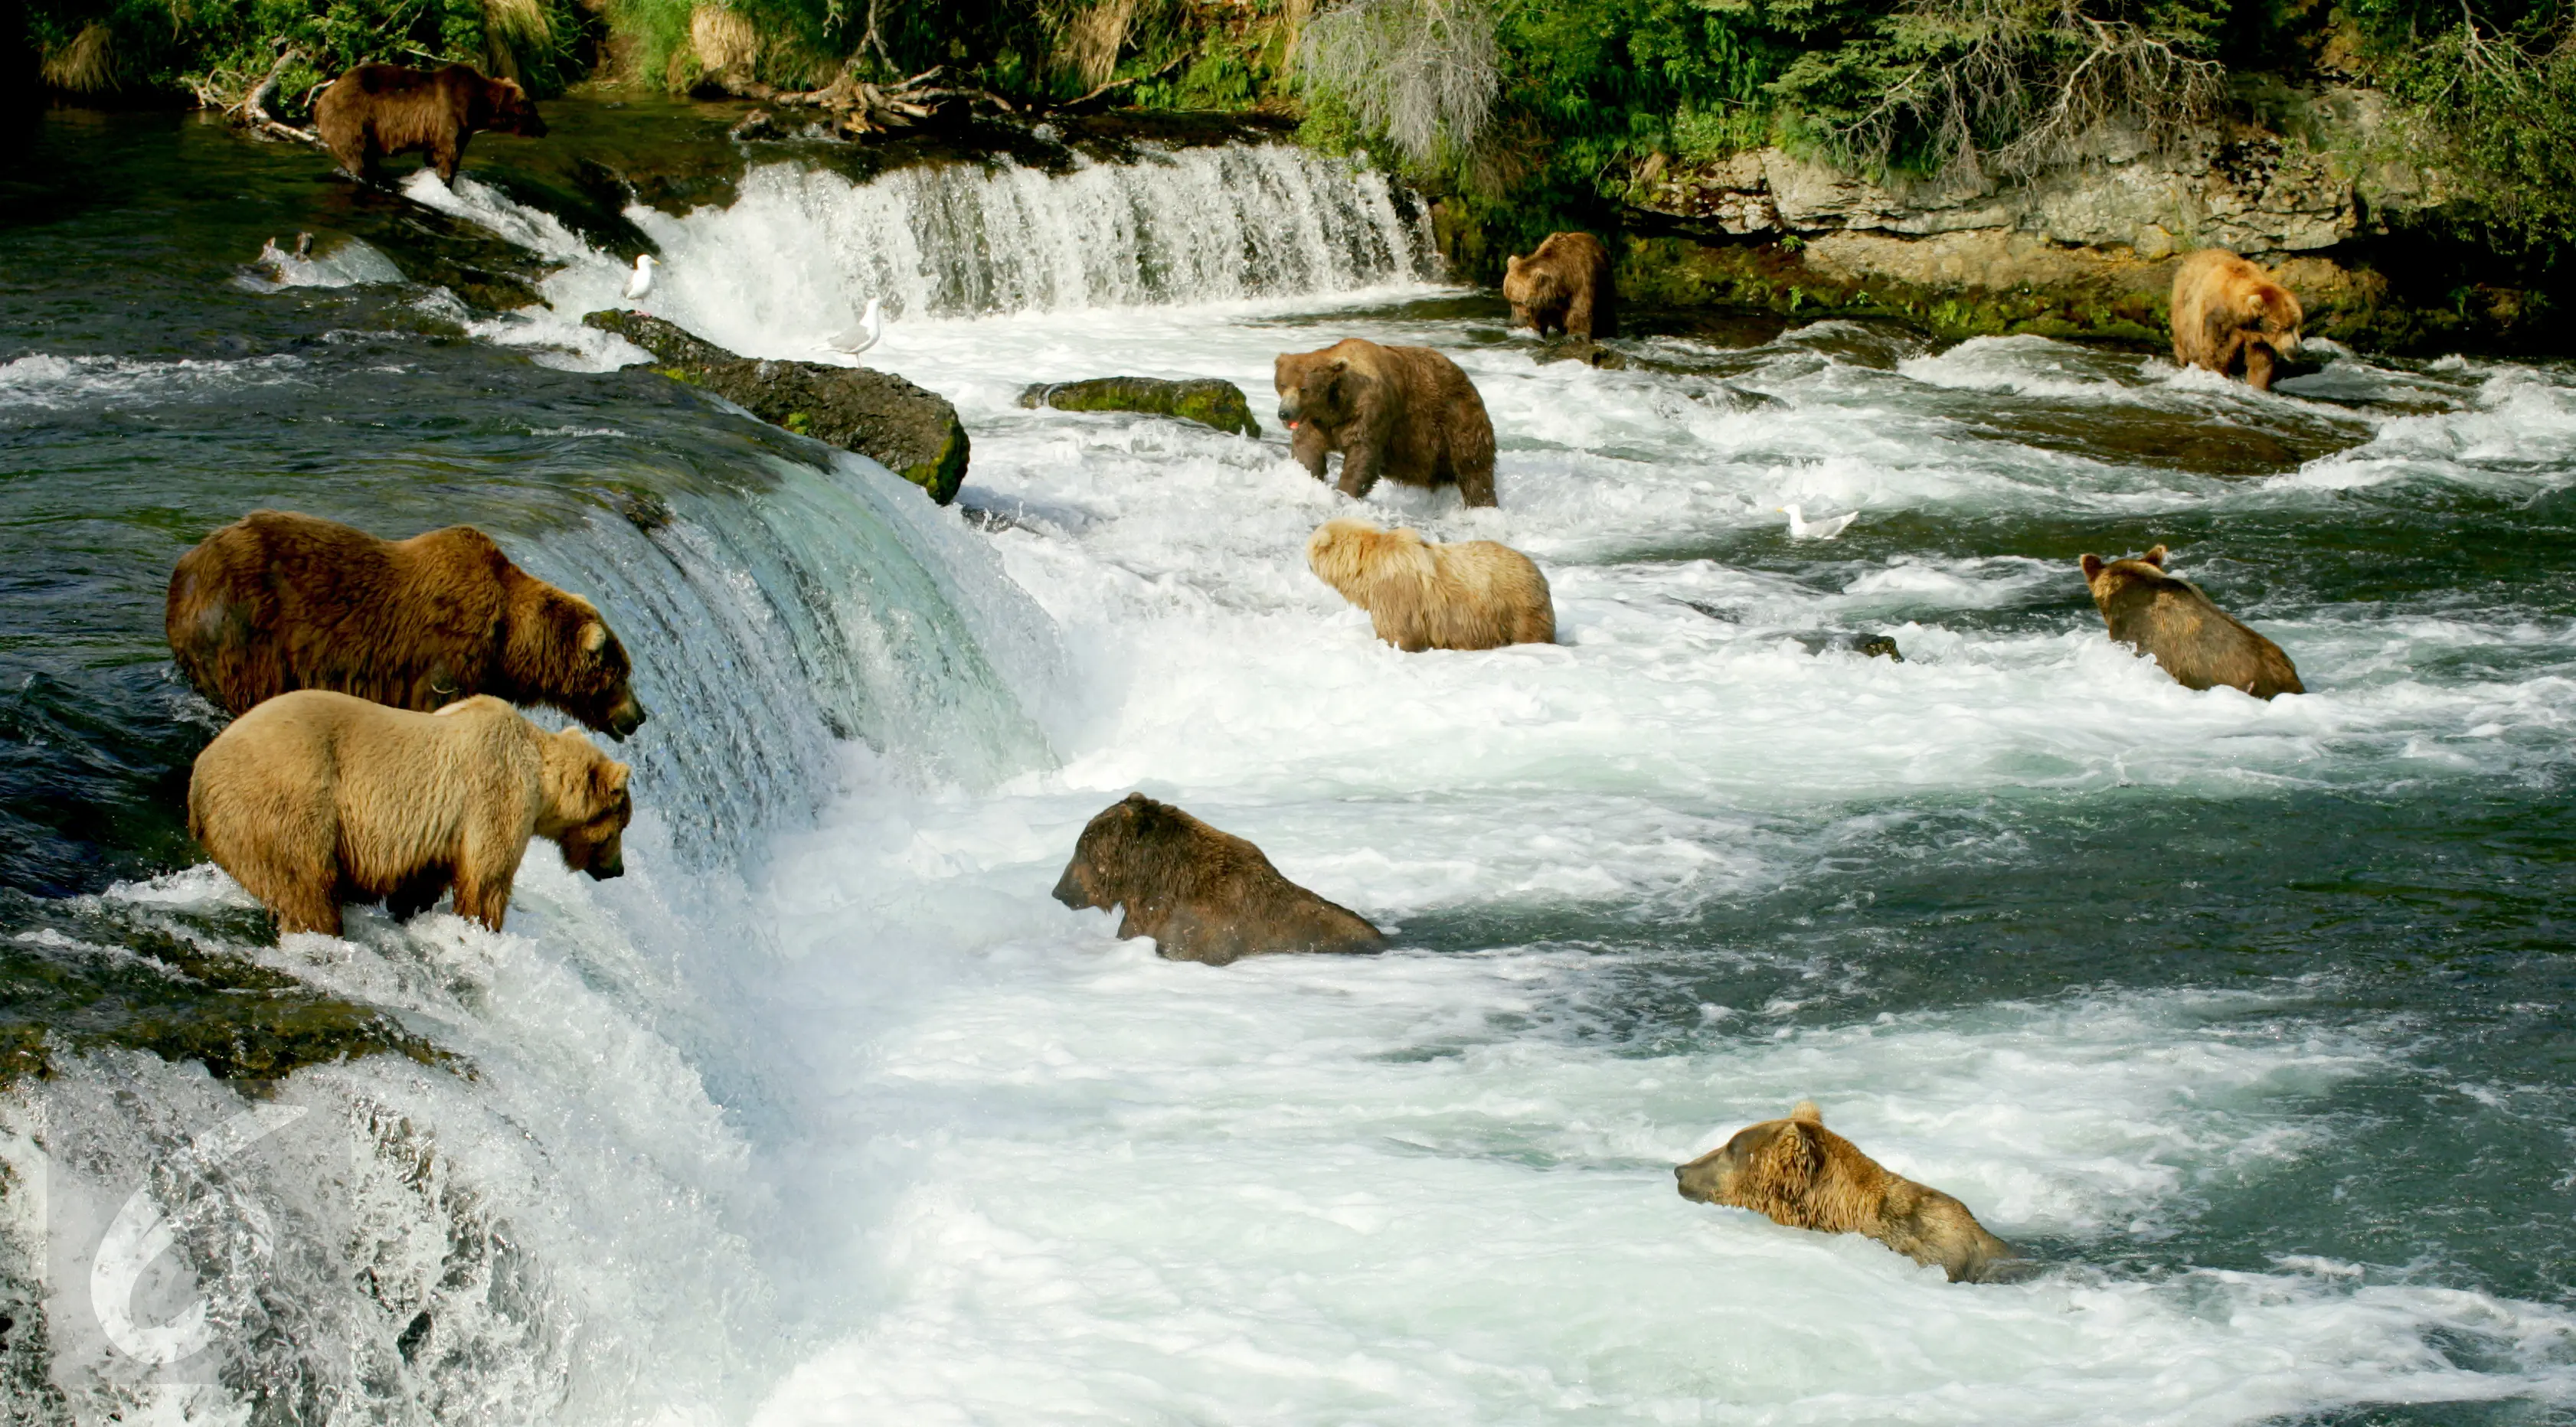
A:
1405,413
1798,1173
314,799
2194,640
2229,314
1565,286
1475,594
1201,894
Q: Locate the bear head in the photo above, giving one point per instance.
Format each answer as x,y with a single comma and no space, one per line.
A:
2270,314
562,653
1315,386
587,805
509,110
1133,849
2107,579
1353,555
1772,1167
1532,288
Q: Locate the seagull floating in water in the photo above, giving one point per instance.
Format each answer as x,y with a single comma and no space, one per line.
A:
1801,528
639,284
858,339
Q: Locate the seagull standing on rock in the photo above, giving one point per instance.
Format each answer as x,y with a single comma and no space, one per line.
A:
858,339
639,284
1801,528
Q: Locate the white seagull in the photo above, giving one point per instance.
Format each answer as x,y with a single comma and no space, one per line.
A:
639,284
1801,528
858,339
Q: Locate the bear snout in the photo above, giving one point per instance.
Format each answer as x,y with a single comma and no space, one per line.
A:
626,718
1073,888
613,865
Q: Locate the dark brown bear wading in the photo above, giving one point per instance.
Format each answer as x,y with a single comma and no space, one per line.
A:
1800,1174
1201,894
278,601
2195,641
2229,314
1565,286
315,799
380,109
1406,413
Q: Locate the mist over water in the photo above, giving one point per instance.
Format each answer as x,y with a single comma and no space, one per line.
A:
2248,1019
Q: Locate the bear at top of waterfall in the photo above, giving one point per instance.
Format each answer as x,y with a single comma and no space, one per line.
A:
1406,413
374,110
1802,1175
316,798
1564,286
1201,894
2191,638
2229,315
1475,594
278,601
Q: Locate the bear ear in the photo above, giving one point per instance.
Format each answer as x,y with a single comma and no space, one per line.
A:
1513,263
1341,364
2092,568
1807,1112
594,637
607,780
2155,557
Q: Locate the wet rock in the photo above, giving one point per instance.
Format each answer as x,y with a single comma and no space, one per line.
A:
1205,400
911,432
1585,350
1877,646
758,124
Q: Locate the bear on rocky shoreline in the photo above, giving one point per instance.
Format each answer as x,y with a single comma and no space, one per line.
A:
314,798
2228,313
1475,594
1405,413
1201,894
279,601
1564,286
1800,1174
2191,638
375,110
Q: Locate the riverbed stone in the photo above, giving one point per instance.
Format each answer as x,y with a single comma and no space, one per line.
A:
909,431
1205,400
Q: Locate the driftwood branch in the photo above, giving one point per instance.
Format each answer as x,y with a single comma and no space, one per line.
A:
251,109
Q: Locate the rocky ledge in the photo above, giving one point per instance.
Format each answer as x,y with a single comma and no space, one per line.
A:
909,431
1208,401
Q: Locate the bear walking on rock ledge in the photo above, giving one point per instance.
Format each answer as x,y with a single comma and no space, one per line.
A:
375,110
1565,286
2229,314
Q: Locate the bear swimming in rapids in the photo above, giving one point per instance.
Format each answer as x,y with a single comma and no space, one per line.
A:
1475,594
1201,894
1405,413
1564,287
314,799
278,601
2229,314
375,110
1800,1174
2195,641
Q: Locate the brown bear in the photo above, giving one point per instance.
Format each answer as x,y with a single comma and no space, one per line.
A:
314,798
1201,894
1406,413
1472,595
1565,286
2190,638
379,109
278,601
1805,1176
2229,313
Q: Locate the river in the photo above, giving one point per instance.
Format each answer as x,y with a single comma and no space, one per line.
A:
2250,1020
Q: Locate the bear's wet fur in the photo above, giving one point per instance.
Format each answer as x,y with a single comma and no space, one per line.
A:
1475,594
1565,286
2229,315
314,799
1201,894
374,110
1405,413
278,601
1800,1174
2199,644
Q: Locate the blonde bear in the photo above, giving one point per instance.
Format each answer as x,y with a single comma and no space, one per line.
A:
1419,595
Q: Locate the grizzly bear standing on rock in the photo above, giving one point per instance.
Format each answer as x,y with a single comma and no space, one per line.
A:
1472,595
1201,894
278,601
2191,638
1798,1173
1406,413
380,109
2229,313
1565,286
314,798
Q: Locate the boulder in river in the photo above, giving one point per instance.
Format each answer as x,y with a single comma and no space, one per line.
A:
911,432
1205,400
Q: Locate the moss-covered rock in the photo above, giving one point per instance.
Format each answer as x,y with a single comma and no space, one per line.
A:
1205,400
909,431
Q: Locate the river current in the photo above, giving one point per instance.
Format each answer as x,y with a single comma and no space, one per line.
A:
2250,1020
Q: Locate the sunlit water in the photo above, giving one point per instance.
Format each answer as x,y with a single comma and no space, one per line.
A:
2249,1019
